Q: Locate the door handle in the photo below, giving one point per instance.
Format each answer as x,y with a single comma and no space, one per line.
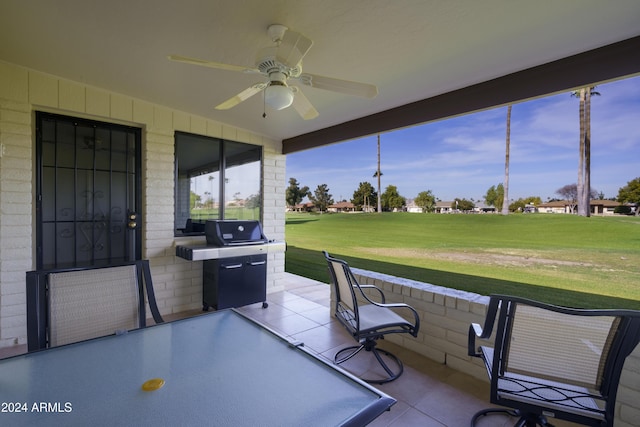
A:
232,266
133,220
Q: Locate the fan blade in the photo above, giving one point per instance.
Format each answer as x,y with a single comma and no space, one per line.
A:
343,86
293,47
242,96
211,64
302,105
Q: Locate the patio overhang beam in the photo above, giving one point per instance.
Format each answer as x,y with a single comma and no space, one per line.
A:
606,63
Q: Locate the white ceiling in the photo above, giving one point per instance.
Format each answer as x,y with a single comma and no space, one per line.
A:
410,49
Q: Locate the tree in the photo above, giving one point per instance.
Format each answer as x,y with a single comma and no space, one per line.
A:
630,193
194,200
462,205
521,204
505,196
426,201
391,199
378,174
208,202
294,194
517,206
253,201
495,197
533,200
321,197
570,193
584,162
364,195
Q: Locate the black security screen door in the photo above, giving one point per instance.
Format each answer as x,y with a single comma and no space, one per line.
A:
87,192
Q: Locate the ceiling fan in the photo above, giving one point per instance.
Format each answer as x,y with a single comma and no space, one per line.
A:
280,64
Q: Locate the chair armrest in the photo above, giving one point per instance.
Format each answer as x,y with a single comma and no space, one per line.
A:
382,299
416,318
482,332
151,297
476,331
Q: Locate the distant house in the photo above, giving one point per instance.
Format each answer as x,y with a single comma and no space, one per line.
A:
444,207
558,206
440,207
342,207
303,207
598,207
412,207
603,207
482,208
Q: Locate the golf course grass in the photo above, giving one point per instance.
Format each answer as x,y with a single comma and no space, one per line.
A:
562,259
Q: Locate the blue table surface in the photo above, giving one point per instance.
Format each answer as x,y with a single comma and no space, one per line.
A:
219,369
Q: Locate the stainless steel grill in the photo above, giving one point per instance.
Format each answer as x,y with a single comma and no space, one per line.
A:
234,263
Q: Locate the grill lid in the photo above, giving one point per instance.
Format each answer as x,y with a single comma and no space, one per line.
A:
234,232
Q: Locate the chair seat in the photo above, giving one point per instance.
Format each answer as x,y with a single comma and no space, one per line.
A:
555,395
375,318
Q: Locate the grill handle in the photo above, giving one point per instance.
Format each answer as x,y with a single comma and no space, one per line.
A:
254,263
232,266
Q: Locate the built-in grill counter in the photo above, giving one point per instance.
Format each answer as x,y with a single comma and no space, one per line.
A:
234,263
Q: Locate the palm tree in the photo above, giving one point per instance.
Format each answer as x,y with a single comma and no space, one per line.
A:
587,148
378,174
505,199
584,162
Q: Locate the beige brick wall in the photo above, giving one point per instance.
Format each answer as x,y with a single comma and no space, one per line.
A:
445,316
628,401
16,216
178,282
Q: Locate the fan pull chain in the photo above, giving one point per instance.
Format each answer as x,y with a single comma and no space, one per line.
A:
264,105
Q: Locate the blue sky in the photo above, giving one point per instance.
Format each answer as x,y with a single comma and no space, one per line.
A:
464,156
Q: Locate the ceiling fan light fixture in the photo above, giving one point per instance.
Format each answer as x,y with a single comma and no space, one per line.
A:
278,96
281,63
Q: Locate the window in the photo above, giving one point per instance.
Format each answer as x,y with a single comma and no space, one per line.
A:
215,179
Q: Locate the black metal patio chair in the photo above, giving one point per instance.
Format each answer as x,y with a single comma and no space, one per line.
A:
369,322
554,362
75,304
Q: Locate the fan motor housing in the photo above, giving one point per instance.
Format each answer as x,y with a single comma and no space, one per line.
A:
267,64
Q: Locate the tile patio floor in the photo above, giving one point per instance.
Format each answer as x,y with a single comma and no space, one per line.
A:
429,394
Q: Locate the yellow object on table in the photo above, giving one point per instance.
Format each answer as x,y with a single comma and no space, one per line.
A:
153,384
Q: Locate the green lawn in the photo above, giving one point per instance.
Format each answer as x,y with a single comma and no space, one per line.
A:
563,259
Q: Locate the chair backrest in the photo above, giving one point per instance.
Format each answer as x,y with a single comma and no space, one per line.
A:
70,305
575,347
344,282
